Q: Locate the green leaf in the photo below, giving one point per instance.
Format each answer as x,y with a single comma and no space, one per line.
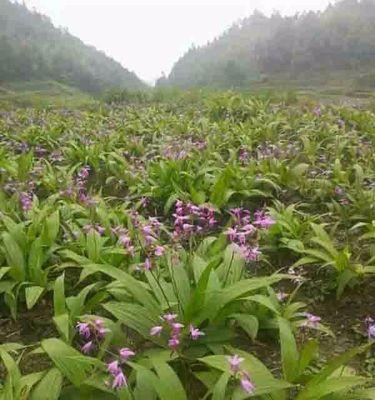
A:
132,285
330,386
51,229
249,323
35,262
135,317
32,294
94,245
219,390
289,351
308,353
62,323
59,296
169,382
15,258
49,387
69,361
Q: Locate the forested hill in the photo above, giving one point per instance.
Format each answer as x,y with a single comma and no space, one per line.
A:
340,38
31,48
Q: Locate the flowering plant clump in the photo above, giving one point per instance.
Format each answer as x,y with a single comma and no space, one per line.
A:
174,331
190,219
92,334
240,374
244,231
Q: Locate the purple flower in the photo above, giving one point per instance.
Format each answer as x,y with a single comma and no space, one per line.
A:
262,220
169,317
234,363
246,383
174,342
371,332
156,330
232,234
83,329
281,296
147,265
119,381
113,368
159,251
195,333
26,201
126,353
176,327
88,347
317,111
312,319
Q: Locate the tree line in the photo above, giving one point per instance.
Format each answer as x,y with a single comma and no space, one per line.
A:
339,38
32,48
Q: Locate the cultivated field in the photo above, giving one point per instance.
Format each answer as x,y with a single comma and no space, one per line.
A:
201,248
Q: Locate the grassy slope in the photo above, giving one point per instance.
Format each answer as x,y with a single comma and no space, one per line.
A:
42,94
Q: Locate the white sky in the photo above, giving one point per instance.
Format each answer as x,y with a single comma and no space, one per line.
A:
148,36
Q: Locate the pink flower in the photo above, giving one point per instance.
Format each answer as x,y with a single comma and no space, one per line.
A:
119,381
170,317
159,251
113,368
371,332
281,296
234,362
126,353
156,330
312,319
195,333
174,342
147,264
231,233
176,327
246,383
83,329
88,347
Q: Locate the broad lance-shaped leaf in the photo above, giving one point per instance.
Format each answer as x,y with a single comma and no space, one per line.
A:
331,386
289,351
32,295
15,258
51,228
240,290
49,387
249,323
59,296
35,262
71,363
135,317
132,285
173,388
219,389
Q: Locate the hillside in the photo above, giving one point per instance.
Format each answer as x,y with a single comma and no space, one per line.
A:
259,48
32,48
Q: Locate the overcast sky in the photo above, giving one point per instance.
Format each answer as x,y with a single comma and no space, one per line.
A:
148,36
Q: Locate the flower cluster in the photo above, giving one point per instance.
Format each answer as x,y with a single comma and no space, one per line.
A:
341,195
94,227
115,370
78,189
311,320
243,232
244,377
26,199
174,329
370,324
92,334
190,219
